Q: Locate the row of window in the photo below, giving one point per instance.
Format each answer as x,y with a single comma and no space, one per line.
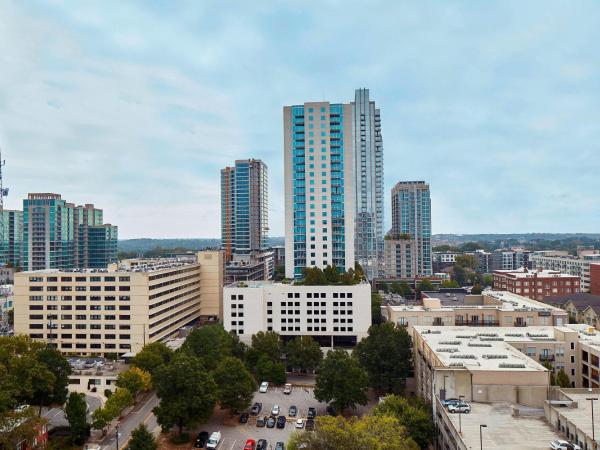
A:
80,317
78,307
91,279
78,288
79,298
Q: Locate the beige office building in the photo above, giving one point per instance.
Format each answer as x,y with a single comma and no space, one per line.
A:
118,310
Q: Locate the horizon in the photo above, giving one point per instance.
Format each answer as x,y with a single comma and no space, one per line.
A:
495,106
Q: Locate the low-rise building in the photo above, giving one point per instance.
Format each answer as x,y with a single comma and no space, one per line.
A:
116,310
565,263
535,284
255,267
335,315
581,307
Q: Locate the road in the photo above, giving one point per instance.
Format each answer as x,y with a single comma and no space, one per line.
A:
56,416
142,413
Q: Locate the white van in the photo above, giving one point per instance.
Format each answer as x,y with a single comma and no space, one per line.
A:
213,440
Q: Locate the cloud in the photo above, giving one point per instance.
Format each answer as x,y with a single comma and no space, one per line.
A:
135,106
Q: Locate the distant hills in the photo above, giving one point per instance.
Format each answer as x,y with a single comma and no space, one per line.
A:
522,237
177,245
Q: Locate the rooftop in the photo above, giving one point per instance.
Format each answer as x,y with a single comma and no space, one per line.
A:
579,299
128,265
527,430
485,349
525,273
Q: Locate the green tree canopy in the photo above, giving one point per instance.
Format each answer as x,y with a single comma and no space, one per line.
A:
332,274
341,381
267,343
134,380
368,432
303,353
313,276
76,414
210,343
152,356
142,439
450,284
425,285
235,385
413,413
488,280
562,379
386,355
187,393
267,370
376,317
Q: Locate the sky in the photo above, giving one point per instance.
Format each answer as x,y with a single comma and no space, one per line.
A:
136,106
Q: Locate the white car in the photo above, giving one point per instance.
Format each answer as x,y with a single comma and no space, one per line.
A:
275,410
300,423
564,445
463,408
287,389
264,386
213,440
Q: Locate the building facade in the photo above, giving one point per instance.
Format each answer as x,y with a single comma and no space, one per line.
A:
411,215
368,163
535,284
564,263
244,208
11,237
319,187
332,315
399,256
60,235
116,310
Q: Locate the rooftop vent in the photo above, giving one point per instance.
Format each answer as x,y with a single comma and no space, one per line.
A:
478,344
463,356
491,356
491,338
449,342
512,366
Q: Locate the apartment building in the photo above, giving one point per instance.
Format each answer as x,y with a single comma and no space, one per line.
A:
399,256
535,284
581,306
319,186
11,237
336,315
511,259
411,216
565,263
116,310
490,309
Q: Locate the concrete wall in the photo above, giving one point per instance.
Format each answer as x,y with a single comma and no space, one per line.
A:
211,282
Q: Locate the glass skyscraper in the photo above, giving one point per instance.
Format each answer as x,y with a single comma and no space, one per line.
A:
411,219
11,244
368,161
319,187
244,208
56,235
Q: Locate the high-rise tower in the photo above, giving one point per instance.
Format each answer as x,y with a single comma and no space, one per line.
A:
319,186
411,219
368,163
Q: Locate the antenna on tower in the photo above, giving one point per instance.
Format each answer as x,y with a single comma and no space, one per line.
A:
3,193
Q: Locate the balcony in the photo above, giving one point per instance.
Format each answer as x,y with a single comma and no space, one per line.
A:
544,358
477,323
520,324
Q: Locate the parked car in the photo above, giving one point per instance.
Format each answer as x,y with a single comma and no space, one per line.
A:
312,413
213,440
261,421
287,389
21,408
310,425
264,387
564,445
331,410
261,444
293,411
271,422
281,422
280,446
244,418
250,445
256,408
201,439
463,408
450,401
275,410
300,423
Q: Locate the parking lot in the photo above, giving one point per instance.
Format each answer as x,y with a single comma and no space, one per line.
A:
234,436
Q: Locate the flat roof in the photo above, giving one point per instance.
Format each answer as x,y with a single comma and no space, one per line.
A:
140,266
580,416
527,431
522,273
485,348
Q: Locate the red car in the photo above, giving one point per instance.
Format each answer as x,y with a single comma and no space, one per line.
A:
250,444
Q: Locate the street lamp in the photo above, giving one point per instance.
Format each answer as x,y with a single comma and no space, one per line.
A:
592,399
117,431
460,397
481,427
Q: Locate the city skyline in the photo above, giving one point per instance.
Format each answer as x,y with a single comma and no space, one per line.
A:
143,122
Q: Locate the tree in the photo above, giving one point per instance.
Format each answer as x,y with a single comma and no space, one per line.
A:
100,419
117,402
341,381
332,274
425,285
386,355
303,353
488,280
210,343
267,370
264,343
368,432
235,385
413,413
56,363
450,284
152,356
476,290
313,276
187,393
134,380
376,317
11,317
384,287
142,439
562,379
76,414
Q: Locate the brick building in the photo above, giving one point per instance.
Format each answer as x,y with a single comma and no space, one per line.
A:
535,284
